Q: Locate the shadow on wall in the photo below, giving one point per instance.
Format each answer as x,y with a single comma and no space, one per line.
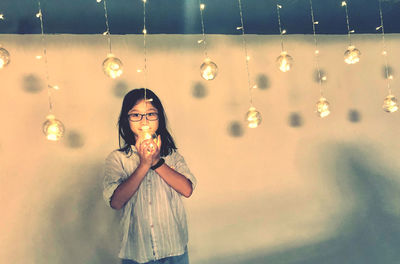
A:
370,234
78,227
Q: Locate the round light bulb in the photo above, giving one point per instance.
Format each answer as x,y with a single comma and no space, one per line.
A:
352,55
208,70
112,66
390,104
253,118
53,128
323,107
4,58
284,62
145,134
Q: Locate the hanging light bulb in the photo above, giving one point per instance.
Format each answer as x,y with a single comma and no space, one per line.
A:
208,70
147,134
253,117
4,58
112,66
284,62
390,104
53,128
323,107
352,55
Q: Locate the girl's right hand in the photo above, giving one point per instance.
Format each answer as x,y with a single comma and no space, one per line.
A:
146,152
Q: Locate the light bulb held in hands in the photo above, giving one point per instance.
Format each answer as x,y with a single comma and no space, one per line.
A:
147,134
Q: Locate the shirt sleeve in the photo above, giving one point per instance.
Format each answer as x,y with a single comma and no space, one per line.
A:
113,176
182,168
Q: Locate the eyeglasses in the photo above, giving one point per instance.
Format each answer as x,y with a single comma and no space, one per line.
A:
136,117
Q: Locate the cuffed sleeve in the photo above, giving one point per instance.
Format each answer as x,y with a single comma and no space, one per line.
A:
113,176
182,168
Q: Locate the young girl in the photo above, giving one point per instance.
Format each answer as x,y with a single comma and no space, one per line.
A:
147,178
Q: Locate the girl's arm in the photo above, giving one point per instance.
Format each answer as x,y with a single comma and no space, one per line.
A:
177,181
128,188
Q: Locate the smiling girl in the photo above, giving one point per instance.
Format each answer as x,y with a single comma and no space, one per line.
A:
147,178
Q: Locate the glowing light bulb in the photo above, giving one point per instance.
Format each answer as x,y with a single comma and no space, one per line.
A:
208,70
253,118
352,55
4,58
390,104
145,134
323,107
112,66
53,128
284,62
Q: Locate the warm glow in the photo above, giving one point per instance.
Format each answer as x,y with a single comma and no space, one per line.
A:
4,58
323,108
208,70
147,134
390,104
112,66
352,55
53,128
284,62
253,118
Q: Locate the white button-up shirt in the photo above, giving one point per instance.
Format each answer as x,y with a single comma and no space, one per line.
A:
154,220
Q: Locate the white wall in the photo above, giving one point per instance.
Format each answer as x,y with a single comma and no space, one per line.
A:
279,193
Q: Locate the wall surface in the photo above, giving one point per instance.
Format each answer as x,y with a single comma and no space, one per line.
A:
298,189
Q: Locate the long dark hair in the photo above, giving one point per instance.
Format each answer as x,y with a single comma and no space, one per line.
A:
124,130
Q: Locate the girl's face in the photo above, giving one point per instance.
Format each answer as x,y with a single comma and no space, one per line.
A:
143,116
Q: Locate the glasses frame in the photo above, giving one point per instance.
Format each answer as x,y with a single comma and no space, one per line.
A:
141,117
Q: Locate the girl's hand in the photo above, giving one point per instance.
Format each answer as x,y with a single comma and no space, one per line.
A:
149,151
145,152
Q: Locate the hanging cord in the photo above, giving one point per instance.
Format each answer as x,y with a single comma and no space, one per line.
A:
203,40
40,16
280,25
107,26
245,51
384,52
316,49
145,51
348,23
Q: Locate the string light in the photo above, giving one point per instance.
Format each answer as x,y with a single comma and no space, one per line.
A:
390,102
52,127
146,133
4,54
322,106
352,54
284,60
112,66
208,69
4,57
253,117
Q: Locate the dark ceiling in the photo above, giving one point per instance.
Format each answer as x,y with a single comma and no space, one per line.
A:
183,16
